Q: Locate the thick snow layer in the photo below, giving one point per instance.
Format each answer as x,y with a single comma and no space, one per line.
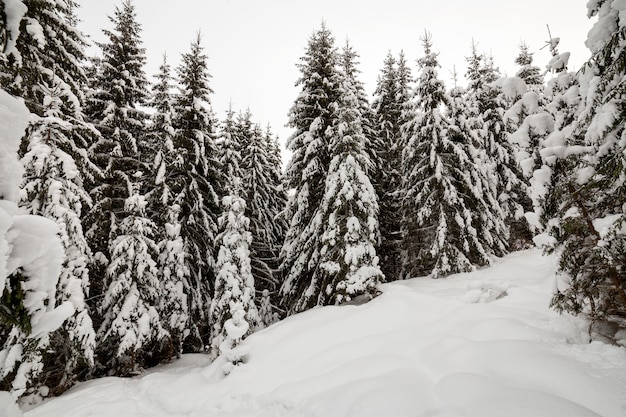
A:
481,344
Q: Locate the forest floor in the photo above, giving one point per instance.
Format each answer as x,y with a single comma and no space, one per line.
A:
481,344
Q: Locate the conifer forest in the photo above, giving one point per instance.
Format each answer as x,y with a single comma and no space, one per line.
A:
137,225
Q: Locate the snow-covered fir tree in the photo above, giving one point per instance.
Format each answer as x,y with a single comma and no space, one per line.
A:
348,213
114,102
528,72
441,232
230,149
265,200
130,306
486,104
313,116
349,67
198,182
161,134
31,258
234,314
53,188
43,66
172,259
511,187
563,97
529,124
174,273
590,234
45,50
391,97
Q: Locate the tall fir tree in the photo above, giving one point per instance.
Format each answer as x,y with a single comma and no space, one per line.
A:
32,257
172,260
265,200
441,233
348,212
486,104
114,106
589,233
390,110
55,168
230,150
197,183
43,67
313,117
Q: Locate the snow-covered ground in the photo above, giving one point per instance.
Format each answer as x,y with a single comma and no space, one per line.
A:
481,344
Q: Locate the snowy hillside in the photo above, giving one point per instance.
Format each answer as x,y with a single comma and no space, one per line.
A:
481,344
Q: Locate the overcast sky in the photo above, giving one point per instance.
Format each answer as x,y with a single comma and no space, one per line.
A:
253,45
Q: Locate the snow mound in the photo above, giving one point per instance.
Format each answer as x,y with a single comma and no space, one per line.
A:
424,347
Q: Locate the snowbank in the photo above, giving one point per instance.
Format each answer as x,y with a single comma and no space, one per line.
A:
481,344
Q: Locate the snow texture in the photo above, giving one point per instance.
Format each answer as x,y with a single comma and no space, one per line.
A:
422,348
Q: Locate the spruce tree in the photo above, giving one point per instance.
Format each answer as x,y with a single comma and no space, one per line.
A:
172,259
53,188
528,72
486,104
349,213
313,117
389,107
118,92
230,150
43,67
32,257
233,312
198,183
129,309
265,200
45,50
589,234
441,233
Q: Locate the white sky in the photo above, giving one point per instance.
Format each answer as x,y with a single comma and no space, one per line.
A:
253,45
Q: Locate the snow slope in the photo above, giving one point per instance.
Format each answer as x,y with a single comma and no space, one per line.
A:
480,344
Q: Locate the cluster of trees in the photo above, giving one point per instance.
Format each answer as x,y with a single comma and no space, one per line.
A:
177,230
142,182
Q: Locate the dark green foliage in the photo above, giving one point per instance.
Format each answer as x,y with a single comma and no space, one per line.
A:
313,117
196,182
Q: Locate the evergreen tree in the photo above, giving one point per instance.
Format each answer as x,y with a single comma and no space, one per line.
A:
590,230
53,188
349,214
233,312
486,105
197,183
349,63
31,257
114,107
230,150
131,321
265,201
172,258
563,101
528,72
441,233
161,135
43,67
45,50
511,187
313,118
389,106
